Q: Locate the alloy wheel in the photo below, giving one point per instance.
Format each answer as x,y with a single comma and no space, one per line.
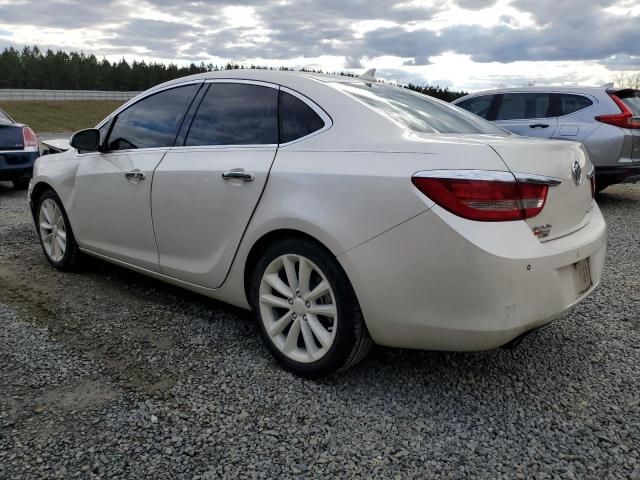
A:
52,230
298,308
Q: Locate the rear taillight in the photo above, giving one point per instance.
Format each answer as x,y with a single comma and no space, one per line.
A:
624,119
29,138
485,196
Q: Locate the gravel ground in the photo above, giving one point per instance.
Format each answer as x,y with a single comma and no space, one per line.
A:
105,373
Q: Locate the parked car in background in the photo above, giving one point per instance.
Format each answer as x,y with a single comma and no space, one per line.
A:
340,211
18,151
605,120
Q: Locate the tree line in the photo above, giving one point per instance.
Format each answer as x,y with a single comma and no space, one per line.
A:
60,70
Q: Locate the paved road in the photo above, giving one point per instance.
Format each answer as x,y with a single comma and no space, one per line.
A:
105,373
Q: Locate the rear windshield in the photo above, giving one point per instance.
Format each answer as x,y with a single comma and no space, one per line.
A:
4,118
416,111
632,101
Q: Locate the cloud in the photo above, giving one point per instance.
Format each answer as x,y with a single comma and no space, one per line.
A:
358,32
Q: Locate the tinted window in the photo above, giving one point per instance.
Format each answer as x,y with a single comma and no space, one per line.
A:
478,105
236,114
297,119
153,121
4,118
416,111
572,103
523,105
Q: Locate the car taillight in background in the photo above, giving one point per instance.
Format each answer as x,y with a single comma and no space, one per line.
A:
625,119
486,196
29,138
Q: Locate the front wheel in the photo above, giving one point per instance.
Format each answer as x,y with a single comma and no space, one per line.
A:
307,313
54,230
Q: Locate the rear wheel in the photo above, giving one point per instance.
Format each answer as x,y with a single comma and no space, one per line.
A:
306,310
54,230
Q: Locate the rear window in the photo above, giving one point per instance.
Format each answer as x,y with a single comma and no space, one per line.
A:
4,118
570,103
632,101
416,111
479,105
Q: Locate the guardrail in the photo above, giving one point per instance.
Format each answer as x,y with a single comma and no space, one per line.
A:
55,95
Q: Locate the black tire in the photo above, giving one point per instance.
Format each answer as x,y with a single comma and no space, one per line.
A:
21,183
72,255
352,341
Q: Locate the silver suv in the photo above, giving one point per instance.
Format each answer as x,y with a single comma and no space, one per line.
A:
606,121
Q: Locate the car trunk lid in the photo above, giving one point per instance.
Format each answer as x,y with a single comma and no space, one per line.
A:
569,203
11,137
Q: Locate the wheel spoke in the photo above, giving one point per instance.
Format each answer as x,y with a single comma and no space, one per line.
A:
55,249
309,342
280,324
305,275
290,270
47,214
326,310
321,333
46,225
60,222
48,238
61,243
318,291
62,234
274,301
281,287
292,337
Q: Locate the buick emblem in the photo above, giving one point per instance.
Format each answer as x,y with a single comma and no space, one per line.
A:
576,172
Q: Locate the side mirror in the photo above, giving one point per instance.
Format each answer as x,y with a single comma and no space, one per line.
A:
86,140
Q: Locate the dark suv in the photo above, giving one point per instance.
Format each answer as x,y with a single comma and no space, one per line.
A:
18,151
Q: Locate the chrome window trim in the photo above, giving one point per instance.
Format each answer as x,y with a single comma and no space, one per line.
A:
142,96
489,175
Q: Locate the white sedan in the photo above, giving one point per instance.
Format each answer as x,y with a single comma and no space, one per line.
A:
343,212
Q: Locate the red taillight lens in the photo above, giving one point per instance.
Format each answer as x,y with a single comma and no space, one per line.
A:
29,138
623,120
485,200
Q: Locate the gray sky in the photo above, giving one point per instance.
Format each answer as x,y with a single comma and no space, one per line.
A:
470,44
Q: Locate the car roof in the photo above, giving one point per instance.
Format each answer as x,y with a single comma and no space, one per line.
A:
283,77
551,88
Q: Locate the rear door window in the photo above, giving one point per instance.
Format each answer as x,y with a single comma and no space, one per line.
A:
570,103
152,122
517,106
478,105
236,114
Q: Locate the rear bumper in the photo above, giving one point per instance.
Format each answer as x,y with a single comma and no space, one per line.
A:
425,285
16,164
618,174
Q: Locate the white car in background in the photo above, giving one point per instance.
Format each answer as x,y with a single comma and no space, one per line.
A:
605,120
341,211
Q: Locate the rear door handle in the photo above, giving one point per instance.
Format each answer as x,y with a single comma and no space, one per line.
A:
539,125
238,175
134,175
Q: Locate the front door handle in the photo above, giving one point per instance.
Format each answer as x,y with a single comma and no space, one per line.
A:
238,175
539,125
136,175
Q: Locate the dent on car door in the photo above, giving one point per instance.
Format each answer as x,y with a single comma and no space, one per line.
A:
527,114
205,191
113,188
